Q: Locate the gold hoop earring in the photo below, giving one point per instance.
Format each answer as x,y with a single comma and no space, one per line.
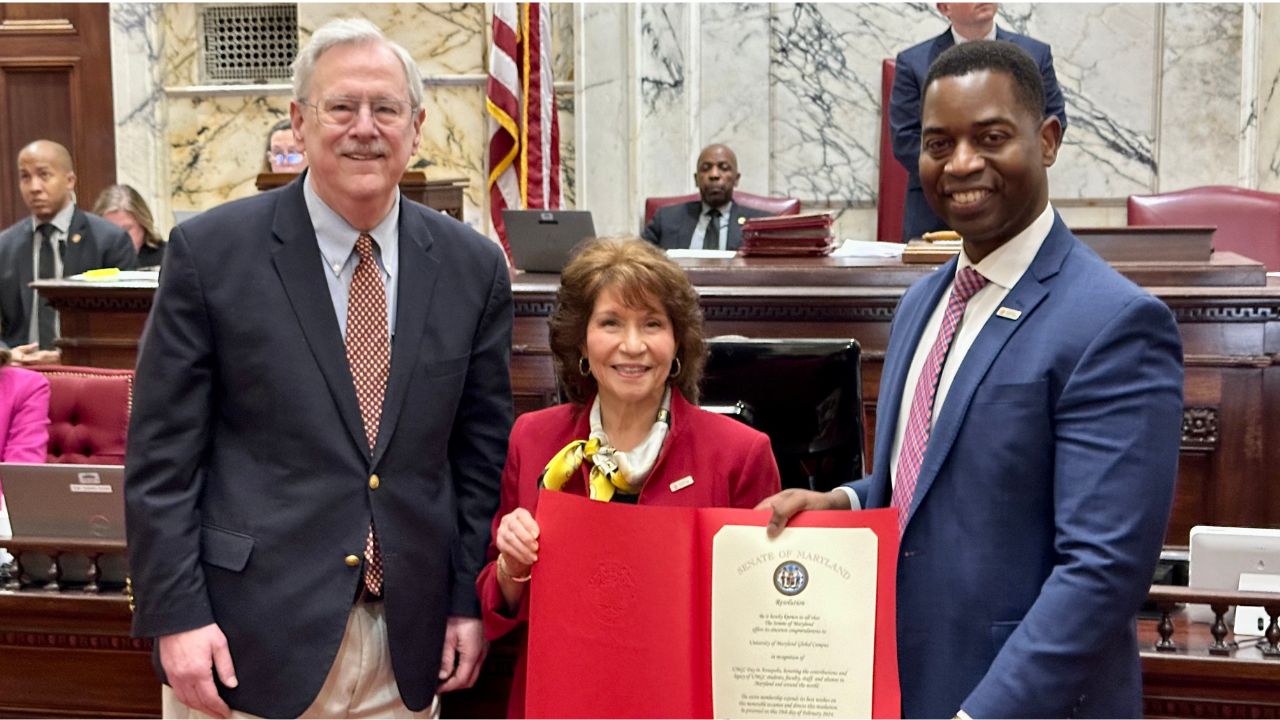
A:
676,367
584,368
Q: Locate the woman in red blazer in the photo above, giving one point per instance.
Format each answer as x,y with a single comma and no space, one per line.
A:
627,339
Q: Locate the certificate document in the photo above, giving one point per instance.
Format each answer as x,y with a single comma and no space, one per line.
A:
654,612
793,622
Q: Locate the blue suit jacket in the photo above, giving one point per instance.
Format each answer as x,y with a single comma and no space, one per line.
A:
1043,497
912,67
247,473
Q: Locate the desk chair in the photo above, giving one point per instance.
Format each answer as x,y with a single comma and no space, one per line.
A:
771,205
1247,221
892,190
88,413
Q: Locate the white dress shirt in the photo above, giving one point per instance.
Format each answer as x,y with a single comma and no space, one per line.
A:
1003,268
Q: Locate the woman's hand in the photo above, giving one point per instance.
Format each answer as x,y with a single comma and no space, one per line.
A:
517,541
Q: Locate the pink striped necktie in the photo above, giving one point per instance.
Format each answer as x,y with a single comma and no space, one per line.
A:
369,356
920,421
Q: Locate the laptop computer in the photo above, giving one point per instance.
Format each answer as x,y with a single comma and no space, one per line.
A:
542,240
82,502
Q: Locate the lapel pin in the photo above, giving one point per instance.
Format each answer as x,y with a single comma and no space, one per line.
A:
1008,313
75,238
682,483
742,220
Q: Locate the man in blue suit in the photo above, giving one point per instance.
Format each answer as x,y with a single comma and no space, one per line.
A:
969,21
1028,437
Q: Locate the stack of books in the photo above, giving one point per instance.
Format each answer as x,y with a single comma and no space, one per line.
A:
796,235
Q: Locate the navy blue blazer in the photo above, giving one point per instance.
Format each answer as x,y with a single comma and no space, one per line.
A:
100,245
1042,501
248,469
912,67
673,226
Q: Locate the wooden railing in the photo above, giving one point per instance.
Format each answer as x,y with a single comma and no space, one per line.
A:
1197,669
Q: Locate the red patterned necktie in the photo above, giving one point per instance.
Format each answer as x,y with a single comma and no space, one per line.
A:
920,421
369,356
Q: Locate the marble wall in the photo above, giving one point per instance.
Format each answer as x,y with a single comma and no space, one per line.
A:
1159,97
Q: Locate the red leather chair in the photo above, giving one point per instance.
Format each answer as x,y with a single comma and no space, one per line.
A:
1247,221
771,205
893,177
88,413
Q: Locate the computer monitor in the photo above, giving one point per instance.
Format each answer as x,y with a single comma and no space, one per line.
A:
1220,555
544,240
805,394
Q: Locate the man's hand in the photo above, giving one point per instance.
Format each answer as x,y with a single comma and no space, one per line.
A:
31,354
791,501
464,651
188,658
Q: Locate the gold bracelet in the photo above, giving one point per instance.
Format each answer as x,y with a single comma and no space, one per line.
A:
502,570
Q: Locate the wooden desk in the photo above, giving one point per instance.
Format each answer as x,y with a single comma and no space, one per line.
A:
1228,314
70,655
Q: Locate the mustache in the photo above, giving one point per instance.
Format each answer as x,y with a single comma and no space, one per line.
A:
375,147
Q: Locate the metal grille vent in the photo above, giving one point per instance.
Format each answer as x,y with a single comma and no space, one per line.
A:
249,43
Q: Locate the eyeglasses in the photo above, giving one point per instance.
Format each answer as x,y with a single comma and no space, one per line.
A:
341,112
292,158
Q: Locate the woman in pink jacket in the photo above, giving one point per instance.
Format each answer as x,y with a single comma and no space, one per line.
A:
24,421
24,413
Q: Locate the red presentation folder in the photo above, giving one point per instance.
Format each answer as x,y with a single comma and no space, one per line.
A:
620,607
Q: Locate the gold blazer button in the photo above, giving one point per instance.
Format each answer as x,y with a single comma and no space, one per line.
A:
374,482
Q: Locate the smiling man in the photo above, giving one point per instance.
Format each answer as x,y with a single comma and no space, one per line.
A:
1031,406
314,457
714,221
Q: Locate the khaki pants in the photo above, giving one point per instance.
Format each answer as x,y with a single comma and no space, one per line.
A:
359,685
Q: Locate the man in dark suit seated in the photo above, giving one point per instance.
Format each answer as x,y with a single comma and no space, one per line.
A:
58,240
712,223
969,21
315,453
1029,422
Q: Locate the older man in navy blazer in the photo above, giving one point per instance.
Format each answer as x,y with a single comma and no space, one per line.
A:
1030,413
969,21
315,450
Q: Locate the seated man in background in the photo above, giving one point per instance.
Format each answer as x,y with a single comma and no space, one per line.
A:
969,21
686,225
58,240
284,152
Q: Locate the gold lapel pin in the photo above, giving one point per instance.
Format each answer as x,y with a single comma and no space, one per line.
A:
75,238
1009,313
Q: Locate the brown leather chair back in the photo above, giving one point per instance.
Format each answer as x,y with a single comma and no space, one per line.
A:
1247,221
771,205
88,413
893,177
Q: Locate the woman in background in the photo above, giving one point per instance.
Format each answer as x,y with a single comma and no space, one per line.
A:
24,423
629,351
125,208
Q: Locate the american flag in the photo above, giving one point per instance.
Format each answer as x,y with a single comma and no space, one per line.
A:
524,130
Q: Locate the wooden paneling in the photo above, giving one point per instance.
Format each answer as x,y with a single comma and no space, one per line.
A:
55,82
